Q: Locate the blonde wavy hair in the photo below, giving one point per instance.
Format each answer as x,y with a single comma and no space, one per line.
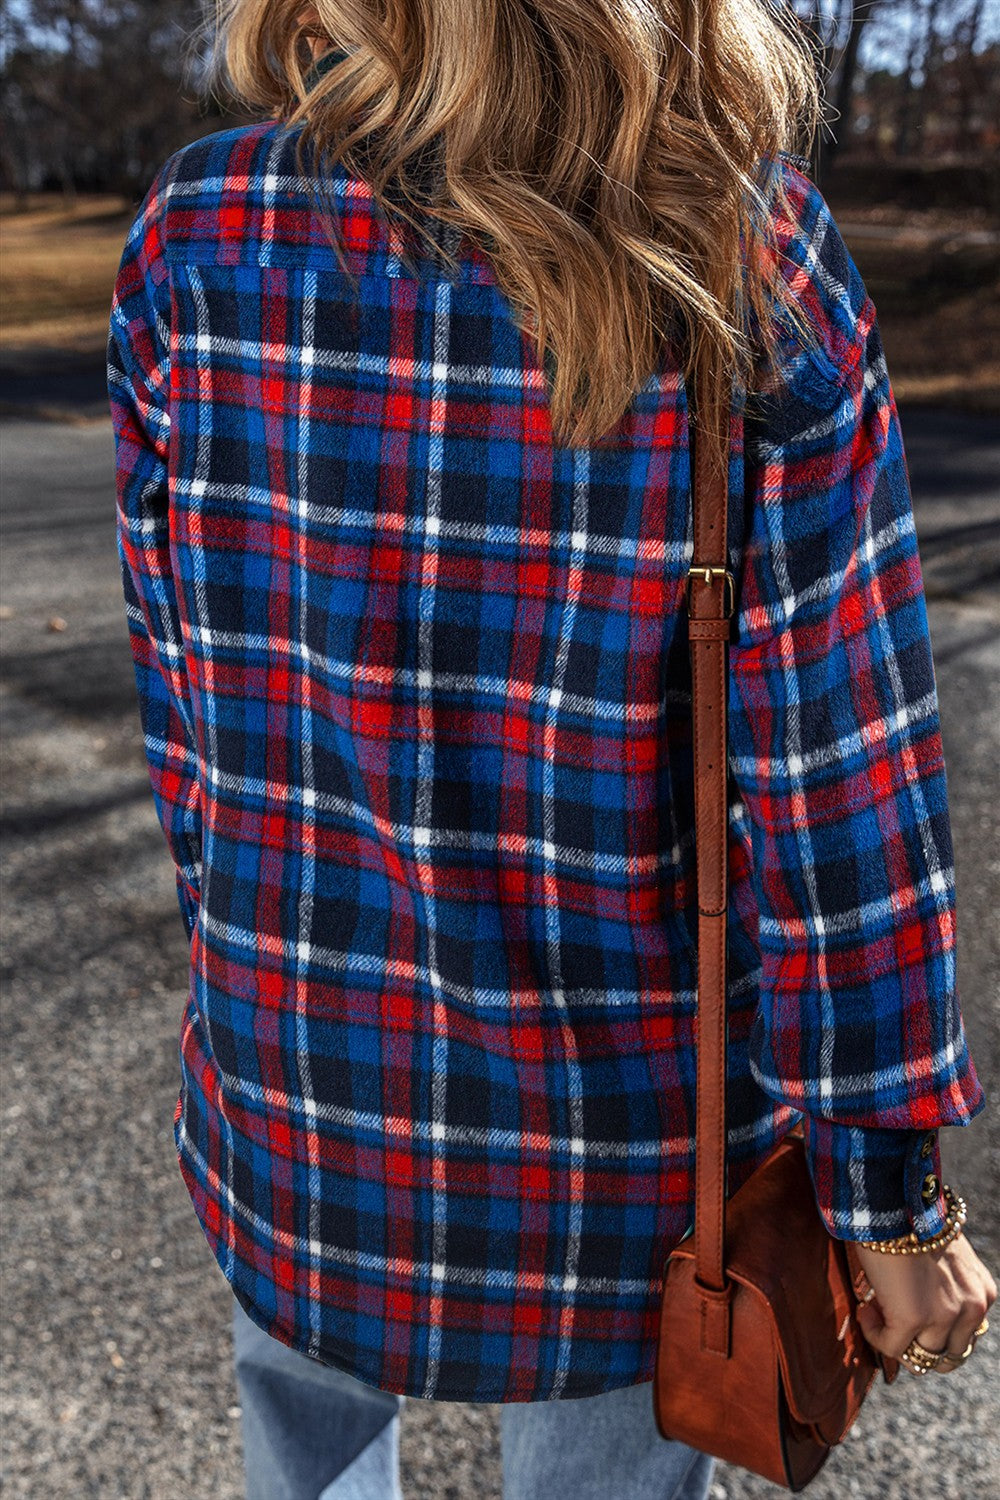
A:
615,159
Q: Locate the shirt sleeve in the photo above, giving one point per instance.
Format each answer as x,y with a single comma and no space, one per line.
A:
835,750
138,389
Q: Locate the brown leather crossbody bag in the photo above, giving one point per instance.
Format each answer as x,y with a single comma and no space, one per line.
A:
760,1359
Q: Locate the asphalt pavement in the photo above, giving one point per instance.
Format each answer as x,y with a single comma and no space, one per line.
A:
118,1378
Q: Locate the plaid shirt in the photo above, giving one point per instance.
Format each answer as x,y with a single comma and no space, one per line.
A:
415,691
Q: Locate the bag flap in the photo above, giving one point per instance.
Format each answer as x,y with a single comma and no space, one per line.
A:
778,1246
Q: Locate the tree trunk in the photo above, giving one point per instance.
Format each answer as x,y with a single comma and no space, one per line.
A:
860,12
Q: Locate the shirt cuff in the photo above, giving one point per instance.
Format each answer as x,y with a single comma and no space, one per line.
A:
873,1184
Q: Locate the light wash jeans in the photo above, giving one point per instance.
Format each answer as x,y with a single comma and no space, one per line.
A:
311,1432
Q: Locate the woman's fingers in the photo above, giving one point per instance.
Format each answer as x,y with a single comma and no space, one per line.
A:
951,1341
939,1301
888,1338
978,1291
964,1332
954,1361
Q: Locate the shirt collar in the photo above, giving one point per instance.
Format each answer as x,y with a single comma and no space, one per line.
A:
323,64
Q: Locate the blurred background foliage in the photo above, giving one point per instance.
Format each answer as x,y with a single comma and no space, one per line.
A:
97,93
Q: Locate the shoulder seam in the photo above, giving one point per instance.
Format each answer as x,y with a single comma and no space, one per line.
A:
841,353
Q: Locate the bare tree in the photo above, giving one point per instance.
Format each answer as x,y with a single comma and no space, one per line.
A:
859,14
971,74
97,92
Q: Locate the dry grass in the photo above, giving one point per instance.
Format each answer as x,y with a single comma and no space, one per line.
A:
57,270
937,290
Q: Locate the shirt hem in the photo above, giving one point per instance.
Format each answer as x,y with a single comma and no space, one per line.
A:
266,1325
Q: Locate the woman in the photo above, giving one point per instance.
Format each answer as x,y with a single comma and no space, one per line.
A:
399,379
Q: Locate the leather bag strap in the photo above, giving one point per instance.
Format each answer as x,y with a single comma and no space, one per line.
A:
710,601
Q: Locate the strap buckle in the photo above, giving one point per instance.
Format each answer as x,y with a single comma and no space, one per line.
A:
706,574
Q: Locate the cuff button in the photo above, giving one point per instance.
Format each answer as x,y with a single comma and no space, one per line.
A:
928,1146
929,1191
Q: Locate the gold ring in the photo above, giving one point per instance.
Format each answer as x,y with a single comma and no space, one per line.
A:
913,1347
922,1360
956,1359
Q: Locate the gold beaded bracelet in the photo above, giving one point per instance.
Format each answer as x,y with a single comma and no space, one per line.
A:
908,1244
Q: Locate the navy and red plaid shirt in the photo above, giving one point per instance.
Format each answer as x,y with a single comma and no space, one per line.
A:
415,691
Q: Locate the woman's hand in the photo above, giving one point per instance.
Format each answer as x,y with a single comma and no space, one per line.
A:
938,1297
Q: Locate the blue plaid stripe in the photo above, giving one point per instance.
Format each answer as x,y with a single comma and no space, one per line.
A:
415,692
